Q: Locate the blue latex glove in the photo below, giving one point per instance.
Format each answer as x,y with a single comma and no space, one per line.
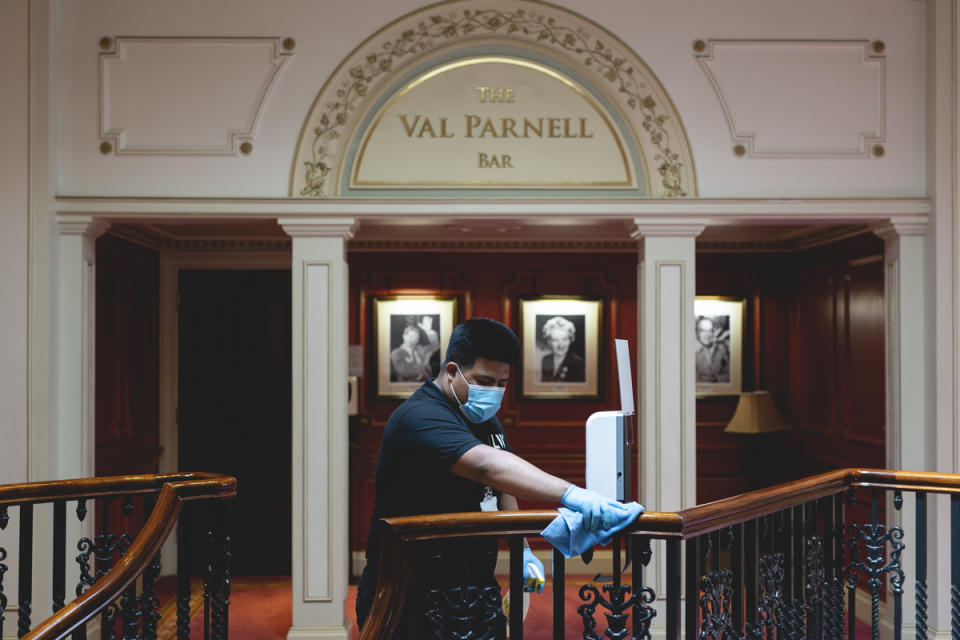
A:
533,575
599,512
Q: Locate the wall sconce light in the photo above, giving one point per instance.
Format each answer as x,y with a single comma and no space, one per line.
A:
756,413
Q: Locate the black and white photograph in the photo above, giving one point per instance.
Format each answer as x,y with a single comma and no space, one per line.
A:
411,335
560,339
718,331
414,347
562,345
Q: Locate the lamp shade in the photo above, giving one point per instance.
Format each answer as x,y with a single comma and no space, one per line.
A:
756,413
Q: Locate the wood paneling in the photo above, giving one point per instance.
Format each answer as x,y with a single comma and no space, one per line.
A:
549,434
127,287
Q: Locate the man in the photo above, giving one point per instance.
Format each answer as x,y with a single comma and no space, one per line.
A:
713,355
443,450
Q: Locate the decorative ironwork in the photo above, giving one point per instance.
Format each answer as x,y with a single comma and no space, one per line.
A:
221,593
127,506
4,517
898,499
23,617
921,608
81,509
763,526
833,612
954,608
727,538
643,612
619,607
716,606
85,546
149,604
183,616
770,604
3,596
815,587
467,613
130,614
874,538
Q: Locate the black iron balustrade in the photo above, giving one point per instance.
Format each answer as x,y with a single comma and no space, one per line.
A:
108,564
783,563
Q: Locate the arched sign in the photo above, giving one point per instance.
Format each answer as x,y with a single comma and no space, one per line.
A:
493,99
492,121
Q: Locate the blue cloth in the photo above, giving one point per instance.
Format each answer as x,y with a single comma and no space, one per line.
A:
568,535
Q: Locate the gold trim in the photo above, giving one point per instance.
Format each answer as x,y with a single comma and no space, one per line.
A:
467,62
636,90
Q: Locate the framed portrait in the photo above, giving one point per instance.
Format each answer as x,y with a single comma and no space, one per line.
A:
719,345
411,336
561,348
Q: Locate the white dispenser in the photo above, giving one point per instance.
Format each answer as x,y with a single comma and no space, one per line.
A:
610,436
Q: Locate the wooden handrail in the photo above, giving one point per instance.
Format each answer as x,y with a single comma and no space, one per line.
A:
90,488
174,490
395,555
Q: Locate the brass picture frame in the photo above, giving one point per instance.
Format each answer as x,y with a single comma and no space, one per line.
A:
410,339
561,347
718,331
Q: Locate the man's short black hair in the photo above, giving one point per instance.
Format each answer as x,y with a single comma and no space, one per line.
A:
482,338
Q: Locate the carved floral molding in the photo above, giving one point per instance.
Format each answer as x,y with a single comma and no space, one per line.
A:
612,67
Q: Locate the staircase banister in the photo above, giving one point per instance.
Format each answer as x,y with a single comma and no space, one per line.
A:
90,488
175,489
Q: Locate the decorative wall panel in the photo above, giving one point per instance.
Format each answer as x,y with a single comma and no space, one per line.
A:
799,98
186,95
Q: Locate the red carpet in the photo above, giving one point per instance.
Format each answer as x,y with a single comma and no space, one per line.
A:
261,609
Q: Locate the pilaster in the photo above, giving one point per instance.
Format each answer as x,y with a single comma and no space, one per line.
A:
320,438
908,433
667,405
73,442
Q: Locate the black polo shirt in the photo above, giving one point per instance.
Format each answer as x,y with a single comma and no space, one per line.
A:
424,436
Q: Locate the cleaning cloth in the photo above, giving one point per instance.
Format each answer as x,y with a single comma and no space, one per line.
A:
568,535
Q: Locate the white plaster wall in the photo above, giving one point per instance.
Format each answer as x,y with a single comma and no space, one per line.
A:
13,241
660,31
13,261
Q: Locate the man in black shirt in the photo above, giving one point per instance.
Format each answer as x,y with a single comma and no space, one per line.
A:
443,450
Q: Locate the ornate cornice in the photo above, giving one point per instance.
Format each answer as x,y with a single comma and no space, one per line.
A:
893,229
666,227
82,226
319,227
594,246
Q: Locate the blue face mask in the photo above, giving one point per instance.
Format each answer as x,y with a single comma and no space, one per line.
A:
482,402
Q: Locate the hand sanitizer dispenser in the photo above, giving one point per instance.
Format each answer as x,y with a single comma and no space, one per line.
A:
610,438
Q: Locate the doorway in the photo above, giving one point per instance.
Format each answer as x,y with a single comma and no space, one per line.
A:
234,405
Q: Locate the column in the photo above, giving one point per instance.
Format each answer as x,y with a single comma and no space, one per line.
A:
320,438
666,283
72,444
908,437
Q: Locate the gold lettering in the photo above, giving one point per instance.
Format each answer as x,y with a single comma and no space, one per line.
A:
488,126
554,128
427,128
566,129
528,126
494,161
409,127
472,121
443,129
508,125
583,129
489,94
